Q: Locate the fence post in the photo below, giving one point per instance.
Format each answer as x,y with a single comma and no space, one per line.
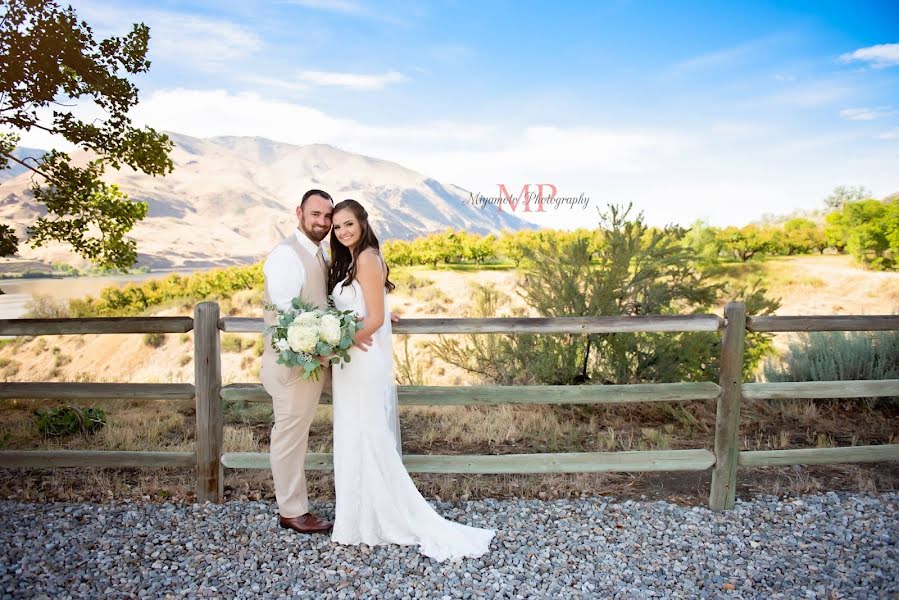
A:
210,421
727,417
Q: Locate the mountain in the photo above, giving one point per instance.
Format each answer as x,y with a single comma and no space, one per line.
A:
14,169
230,199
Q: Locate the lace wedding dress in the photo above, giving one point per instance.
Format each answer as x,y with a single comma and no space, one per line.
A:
377,501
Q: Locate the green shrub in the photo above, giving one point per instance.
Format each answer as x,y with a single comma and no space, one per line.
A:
869,230
410,369
8,368
635,270
838,356
231,343
134,299
408,282
69,420
46,307
154,340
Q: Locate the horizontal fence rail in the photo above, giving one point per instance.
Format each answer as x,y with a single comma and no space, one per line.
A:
819,456
48,459
797,390
434,395
823,323
96,325
634,324
92,391
209,395
559,462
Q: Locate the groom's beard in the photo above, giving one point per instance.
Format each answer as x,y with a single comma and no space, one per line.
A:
315,233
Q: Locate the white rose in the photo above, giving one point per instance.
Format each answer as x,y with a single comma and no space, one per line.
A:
282,345
302,338
306,319
330,329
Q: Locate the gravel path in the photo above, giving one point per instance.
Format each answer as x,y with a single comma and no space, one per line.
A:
825,546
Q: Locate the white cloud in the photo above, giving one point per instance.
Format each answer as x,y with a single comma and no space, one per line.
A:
208,44
814,93
881,55
346,7
206,113
725,172
205,44
727,57
349,8
888,135
274,82
866,114
717,58
352,81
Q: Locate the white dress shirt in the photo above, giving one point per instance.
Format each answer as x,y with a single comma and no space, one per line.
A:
284,272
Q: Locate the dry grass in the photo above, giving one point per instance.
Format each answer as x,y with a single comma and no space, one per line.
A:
131,425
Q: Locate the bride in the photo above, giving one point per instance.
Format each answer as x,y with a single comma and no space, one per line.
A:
377,502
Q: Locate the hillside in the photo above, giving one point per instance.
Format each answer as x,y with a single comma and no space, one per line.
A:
230,199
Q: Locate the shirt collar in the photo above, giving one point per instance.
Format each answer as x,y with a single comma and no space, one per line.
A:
306,243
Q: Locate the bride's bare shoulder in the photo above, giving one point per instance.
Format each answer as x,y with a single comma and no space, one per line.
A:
370,259
372,251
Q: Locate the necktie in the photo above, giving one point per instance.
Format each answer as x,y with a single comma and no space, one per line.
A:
321,258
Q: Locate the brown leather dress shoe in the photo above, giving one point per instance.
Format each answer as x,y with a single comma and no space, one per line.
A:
307,523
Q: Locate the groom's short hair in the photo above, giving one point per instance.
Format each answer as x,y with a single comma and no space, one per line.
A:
311,193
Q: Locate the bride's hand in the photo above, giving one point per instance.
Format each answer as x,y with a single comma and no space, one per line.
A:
362,341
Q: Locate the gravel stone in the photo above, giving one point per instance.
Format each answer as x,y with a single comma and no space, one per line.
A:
831,545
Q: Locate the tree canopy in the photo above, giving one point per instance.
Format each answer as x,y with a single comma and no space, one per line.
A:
51,62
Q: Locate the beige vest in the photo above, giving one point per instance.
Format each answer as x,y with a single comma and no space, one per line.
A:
314,289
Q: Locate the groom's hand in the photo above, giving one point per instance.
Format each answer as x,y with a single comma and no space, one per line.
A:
394,318
324,360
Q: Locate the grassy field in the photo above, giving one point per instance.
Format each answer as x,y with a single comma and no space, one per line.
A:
806,285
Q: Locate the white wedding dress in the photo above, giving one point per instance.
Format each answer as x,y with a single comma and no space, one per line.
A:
377,501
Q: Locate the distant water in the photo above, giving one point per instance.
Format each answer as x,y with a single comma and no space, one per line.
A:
19,292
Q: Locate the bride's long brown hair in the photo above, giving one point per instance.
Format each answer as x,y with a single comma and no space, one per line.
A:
343,264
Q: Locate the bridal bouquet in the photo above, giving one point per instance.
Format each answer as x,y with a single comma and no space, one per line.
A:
304,332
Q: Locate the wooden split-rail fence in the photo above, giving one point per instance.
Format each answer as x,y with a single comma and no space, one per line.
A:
209,394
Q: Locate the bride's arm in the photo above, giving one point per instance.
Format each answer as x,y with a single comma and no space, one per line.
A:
371,279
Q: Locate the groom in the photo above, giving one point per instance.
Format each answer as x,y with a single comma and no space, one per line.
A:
295,267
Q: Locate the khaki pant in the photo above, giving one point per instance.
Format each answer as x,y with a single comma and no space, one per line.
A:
294,401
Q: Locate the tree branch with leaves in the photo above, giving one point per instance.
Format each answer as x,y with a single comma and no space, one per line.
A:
51,60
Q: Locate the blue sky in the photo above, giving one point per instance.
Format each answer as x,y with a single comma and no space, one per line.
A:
716,110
